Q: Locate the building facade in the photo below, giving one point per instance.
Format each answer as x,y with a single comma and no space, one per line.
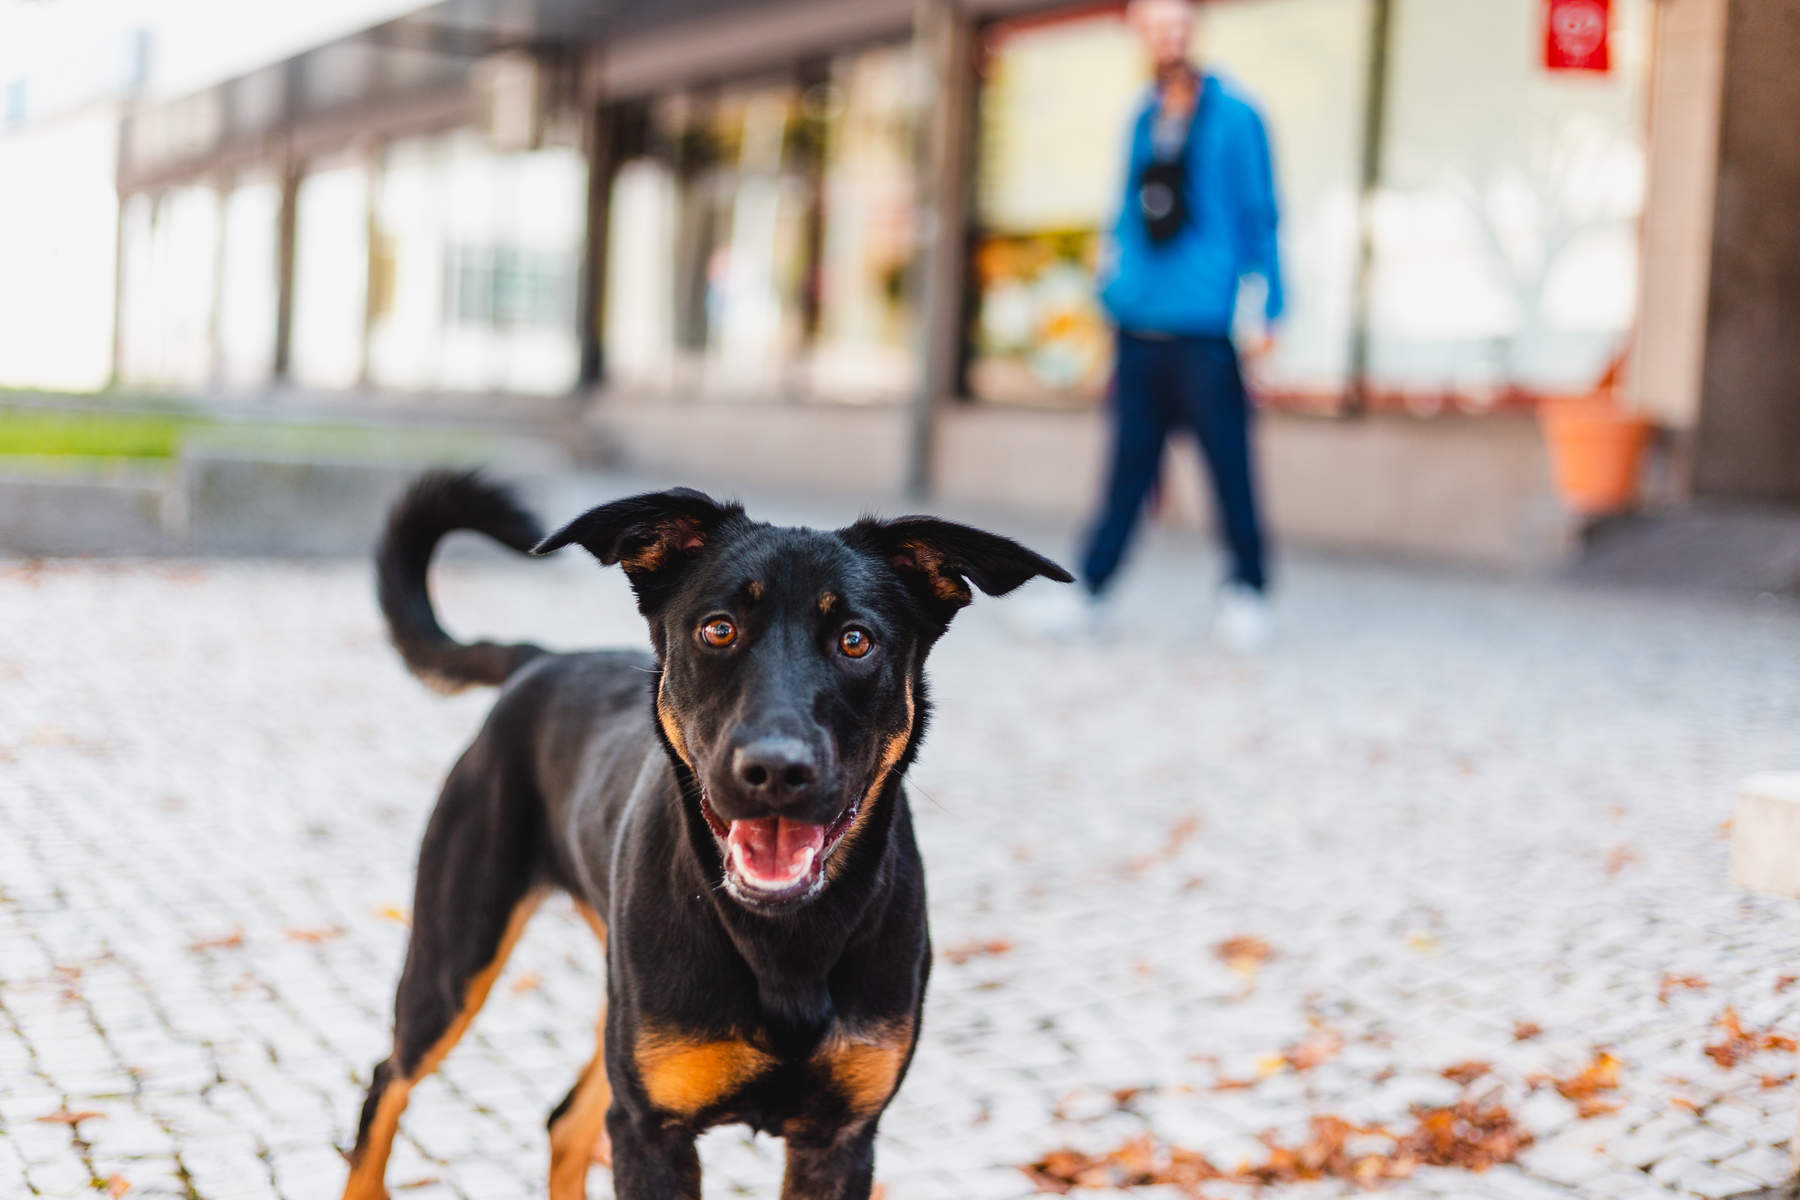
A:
851,242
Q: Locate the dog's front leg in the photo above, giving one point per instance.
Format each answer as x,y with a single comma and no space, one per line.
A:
651,1160
842,1168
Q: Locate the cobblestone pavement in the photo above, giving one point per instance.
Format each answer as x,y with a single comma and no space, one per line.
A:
1448,805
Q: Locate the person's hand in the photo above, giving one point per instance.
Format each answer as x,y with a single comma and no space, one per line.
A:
1260,347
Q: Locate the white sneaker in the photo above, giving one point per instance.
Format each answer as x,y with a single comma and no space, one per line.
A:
1067,613
1244,623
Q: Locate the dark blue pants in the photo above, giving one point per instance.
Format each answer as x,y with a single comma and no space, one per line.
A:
1163,384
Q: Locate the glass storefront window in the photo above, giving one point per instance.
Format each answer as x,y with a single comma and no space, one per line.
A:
1048,179
865,343
331,273
170,260
760,244
1506,226
406,273
249,282
512,245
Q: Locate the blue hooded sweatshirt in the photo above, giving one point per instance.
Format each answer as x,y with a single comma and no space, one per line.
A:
1188,285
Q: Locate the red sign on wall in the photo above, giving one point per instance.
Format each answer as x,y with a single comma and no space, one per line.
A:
1575,34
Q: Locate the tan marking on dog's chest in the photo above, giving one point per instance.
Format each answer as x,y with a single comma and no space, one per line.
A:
685,1075
864,1066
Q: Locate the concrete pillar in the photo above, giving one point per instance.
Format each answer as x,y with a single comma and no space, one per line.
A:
1687,72
944,40
1748,446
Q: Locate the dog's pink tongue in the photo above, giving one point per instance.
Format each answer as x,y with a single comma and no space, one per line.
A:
774,851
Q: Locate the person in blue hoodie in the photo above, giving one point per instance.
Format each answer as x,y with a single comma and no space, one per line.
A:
1197,214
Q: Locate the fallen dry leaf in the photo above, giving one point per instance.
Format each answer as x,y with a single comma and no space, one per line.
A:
1601,1074
1740,1043
1692,983
1180,833
390,912
116,1186
1524,1031
1618,858
1784,982
976,948
530,981
63,1116
1244,954
1464,1073
322,934
1472,1135
229,941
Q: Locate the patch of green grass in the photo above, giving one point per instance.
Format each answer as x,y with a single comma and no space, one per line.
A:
93,434
151,436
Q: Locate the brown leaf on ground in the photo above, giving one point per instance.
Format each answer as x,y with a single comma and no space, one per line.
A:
1740,1043
1601,1074
1682,1102
1471,1135
63,1116
1180,833
530,981
1223,1084
1462,1074
116,1186
1524,1031
229,941
323,934
1692,983
1770,1082
420,1182
1784,982
1314,1051
975,948
1618,858
1244,954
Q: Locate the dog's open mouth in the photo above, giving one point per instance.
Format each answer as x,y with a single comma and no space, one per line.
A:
773,858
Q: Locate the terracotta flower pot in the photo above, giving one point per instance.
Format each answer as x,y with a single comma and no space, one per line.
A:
1596,449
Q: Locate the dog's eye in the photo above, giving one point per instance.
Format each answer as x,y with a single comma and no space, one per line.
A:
854,643
718,632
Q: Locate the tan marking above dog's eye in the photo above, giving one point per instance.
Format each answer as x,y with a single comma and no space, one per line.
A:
718,632
854,642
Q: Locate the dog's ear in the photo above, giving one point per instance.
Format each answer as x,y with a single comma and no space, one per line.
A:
938,560
652,536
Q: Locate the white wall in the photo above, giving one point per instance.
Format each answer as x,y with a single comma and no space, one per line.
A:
58,235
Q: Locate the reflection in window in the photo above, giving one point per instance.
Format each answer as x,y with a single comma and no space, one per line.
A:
1048,179
473,269
331,271
249,282
760,240
1506,245
865,332
170,255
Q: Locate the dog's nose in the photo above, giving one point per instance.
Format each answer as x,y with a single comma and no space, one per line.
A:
775,768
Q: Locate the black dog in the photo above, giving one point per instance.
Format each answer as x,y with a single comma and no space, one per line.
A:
737,824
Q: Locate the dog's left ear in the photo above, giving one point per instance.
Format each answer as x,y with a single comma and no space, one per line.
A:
938,560
652,536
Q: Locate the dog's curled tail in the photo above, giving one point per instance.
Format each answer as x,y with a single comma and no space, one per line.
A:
437,503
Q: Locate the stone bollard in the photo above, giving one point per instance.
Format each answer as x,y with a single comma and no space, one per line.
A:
1765,834
1765,848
